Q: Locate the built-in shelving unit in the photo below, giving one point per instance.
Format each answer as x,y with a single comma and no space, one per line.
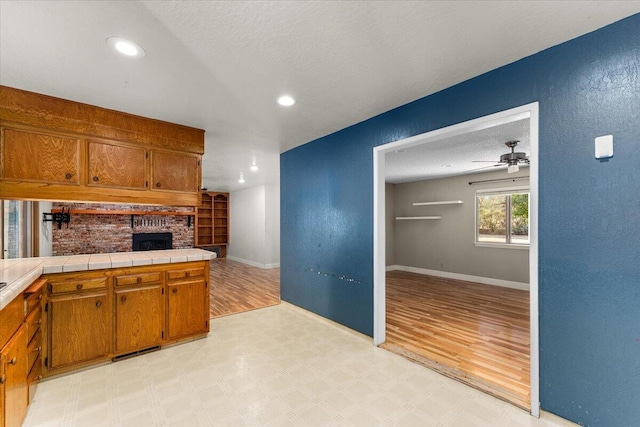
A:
212,221
404,218
446,202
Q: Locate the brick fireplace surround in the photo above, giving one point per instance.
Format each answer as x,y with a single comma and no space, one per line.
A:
91,234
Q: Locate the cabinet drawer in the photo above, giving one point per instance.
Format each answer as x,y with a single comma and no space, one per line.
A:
33,350
186,273
135,279
33,301
33,323
78,285
11,318
34,378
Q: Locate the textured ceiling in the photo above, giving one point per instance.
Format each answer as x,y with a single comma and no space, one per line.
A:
472,152
219,66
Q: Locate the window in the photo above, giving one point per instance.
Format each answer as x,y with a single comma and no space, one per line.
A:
16,223
502,217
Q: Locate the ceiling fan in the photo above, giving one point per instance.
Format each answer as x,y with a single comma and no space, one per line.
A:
511,159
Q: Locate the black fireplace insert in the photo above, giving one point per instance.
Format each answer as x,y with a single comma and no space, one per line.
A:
152,241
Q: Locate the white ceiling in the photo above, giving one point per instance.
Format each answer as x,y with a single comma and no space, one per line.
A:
473,152
219,66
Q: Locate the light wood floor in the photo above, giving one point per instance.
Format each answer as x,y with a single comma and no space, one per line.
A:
237,287
478,334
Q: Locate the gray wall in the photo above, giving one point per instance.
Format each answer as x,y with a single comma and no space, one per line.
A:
390,227
448,244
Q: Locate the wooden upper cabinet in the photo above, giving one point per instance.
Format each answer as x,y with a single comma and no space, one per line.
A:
105,155
175,171
117,165
40,157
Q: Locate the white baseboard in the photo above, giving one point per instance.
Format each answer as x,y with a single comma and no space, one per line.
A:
458,276
253,263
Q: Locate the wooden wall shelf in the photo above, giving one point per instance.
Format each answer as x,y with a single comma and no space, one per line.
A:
123,212
131,213
404,218
446,202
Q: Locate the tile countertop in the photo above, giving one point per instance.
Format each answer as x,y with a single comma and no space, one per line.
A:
21,272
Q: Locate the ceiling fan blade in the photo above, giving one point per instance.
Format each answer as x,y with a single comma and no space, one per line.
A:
486,167
483,161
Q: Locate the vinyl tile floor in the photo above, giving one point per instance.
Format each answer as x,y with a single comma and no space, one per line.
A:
277,366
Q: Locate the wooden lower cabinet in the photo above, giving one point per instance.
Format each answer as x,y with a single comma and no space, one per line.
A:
13,379
80,328
139,318
186,314
95,316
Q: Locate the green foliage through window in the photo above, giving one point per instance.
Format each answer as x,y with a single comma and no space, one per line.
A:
503,218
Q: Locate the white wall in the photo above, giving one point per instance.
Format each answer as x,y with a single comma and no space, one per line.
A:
272,220
255,226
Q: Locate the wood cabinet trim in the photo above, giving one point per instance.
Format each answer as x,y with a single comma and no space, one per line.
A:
43,111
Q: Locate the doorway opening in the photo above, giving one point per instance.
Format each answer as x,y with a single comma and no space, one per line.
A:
432,142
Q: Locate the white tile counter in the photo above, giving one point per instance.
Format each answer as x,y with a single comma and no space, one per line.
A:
20,273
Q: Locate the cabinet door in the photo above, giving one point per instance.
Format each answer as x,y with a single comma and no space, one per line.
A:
174,171
113,165
32,156
79,327
14,357
139,318
188,310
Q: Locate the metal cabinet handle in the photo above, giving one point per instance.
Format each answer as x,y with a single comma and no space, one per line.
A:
3,379
158,184
123,298
175,290
13,361
96,179
139,279
79,286
187,274
39,349
68,176
98,303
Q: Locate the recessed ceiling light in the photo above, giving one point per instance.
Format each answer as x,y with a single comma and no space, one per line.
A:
446,166
286,101
254,168
126,47
241,180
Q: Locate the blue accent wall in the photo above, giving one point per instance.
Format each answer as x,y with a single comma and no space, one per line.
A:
589,214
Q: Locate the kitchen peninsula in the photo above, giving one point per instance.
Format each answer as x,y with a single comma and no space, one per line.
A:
60,314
